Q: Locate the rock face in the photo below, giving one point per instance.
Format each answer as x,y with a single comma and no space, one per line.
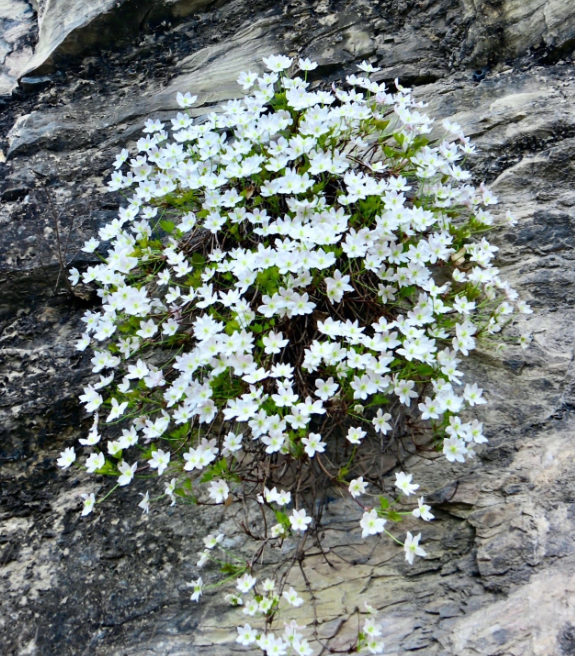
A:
18,30
70,28
508,28
500,574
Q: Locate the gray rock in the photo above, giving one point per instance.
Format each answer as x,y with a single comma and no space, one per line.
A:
507,29
30,83
500,574
18,30
69,28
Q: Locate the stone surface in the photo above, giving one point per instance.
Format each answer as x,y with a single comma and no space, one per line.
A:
18,30
508,28
500,575
70,28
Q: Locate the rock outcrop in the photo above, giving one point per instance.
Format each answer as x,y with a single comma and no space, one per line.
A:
18,31
500,574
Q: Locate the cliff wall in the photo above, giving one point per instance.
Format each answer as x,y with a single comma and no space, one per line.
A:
76,84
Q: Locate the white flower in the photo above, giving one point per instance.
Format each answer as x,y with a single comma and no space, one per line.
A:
326,388
83,343
219,491
371,523
118,410
274,342
145,503
277,63
212,540
246,635
251,607
185,100
357,487
245,583
169,489
92,244
269,585
197,585
380,422
92,399
204,557
367,67
94,462
138,371
147,329
277,647
422,510
370,628
127,472
67,457
265,605
302,648
337,286
404,389
89,503
299,520
234,600
247,79
121,157
375,646
233,442
355,435
292,597
313,444
454,449
277,531
307,65
74,276
473,395
523,307
412,548
403,483
160,460
454,128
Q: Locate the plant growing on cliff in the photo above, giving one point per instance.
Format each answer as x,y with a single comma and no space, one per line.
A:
290,288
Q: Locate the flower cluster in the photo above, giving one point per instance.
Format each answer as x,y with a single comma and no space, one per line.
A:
284,269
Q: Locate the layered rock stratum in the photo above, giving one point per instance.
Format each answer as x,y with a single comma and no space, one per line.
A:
77,81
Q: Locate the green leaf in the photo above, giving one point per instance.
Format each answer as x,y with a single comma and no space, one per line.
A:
342,473
198,260
419,142
232,326
168,226
108,468
232,569
384,503
219,468
394,516
234,230
180,432
378,399
404,292
380,125
424,370
282,519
